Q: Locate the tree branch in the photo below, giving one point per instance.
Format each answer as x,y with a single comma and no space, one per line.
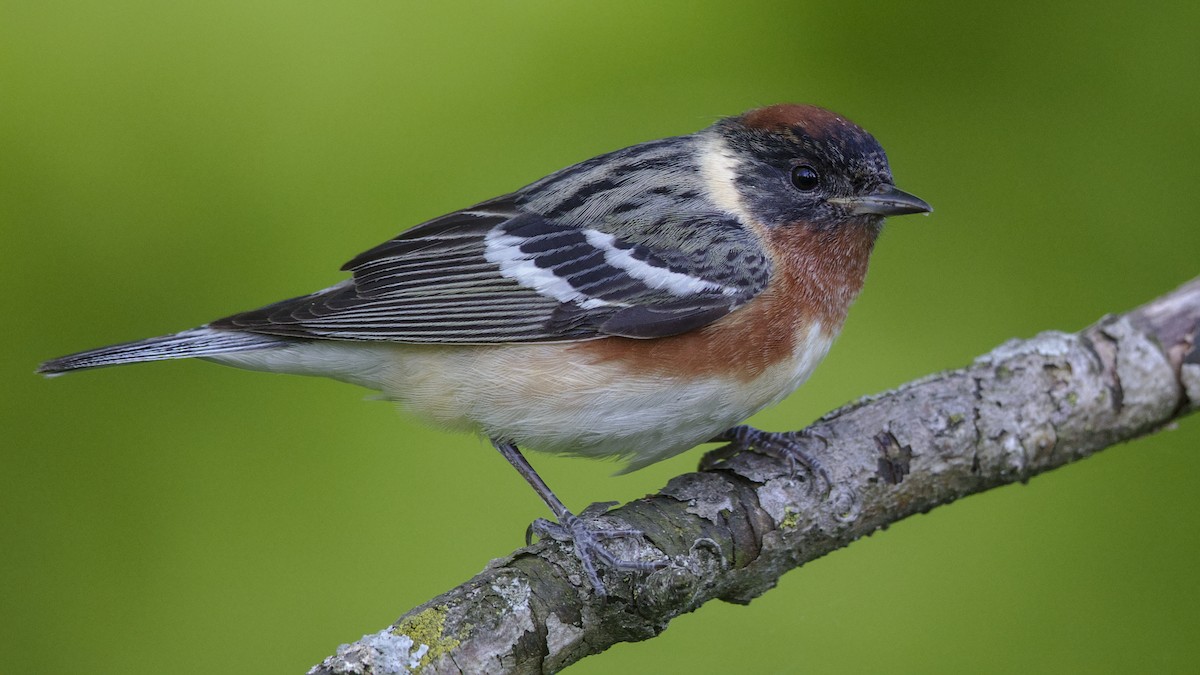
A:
1026,407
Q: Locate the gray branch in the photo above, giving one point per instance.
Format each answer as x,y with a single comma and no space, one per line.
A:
1026,407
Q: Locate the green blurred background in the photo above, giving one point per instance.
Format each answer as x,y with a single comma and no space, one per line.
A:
162,164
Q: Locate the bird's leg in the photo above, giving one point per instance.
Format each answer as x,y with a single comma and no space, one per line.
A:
792,446
571,528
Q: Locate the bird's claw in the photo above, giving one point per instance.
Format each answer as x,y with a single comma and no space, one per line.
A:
586,541
597,509
790,446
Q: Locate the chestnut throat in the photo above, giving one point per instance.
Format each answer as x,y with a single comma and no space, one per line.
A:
823,270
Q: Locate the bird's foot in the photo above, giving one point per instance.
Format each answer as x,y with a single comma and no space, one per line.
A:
587,542
794,447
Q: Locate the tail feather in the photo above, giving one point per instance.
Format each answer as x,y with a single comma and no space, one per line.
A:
189,343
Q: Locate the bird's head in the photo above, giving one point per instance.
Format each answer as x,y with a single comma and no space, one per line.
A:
787,165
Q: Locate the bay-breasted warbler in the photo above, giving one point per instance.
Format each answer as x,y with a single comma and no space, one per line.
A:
635,304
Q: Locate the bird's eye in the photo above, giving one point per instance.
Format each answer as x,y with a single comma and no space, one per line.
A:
805,178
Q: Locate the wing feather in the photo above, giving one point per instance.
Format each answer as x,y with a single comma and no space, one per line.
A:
508,270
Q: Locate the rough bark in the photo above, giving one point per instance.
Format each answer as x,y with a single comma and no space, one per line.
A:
1026,407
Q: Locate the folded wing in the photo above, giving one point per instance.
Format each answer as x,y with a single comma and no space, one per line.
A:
496,273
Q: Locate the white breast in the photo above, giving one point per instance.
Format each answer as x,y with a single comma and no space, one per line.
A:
549,397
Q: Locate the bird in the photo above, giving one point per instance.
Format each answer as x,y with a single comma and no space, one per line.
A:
630,306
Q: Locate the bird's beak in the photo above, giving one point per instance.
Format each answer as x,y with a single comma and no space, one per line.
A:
887,200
